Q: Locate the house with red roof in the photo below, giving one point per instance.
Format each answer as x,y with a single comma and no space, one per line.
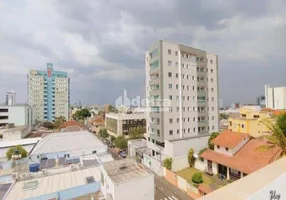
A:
236,155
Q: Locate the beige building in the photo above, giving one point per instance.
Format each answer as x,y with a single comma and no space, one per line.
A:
122,123
49,93
188,79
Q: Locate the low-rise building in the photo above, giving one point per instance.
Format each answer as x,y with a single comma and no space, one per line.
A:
15,133
67,144
125,179
122,123
19,115
236,155
250,121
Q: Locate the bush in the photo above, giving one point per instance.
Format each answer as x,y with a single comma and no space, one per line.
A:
197,178
17,150
168,163
103,133
48,125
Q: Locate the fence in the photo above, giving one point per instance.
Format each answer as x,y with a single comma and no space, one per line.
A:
181,183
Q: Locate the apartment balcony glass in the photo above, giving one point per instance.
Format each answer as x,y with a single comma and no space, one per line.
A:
203,123
154,79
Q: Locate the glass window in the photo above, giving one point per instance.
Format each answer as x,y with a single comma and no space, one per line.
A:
169,51
169,63
170,74
170,86
171,132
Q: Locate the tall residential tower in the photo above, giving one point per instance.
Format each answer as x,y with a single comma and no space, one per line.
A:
188,78
49,93
10,99
275,97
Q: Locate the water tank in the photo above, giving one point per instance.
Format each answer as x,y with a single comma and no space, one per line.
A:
34,167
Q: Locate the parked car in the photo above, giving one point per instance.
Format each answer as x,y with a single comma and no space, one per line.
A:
122,154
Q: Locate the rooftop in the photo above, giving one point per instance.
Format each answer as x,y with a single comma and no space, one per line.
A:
67,141
11,143
248,159
71,123
52,183
229,139
126,170
256,185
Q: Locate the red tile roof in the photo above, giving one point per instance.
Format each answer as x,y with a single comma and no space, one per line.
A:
72,123
248,159
229,139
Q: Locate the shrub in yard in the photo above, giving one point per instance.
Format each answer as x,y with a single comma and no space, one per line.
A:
197,178
168,163
191,158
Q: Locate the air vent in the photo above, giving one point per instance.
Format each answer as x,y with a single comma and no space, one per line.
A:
90,179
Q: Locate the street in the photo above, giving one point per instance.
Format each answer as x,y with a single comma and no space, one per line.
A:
166,191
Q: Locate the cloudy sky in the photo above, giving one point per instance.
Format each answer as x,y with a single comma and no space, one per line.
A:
101,43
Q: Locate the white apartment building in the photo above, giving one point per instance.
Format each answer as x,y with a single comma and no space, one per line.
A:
49,92
19,115
10,98
188,77
275,97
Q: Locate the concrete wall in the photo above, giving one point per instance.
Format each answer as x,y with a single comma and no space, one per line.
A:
180,163
141,188
181,148
153,164
200,165
19,115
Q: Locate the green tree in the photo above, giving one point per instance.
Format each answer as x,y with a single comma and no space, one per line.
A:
197,178
277,138
168,163
136,133
121,142
223,116
112,139
212,136
59,121
103,133
81,114
191,158
17,150
281,122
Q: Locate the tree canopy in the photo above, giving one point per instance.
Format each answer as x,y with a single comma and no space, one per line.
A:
17,150
81,114
121,142
168,163
103,133
281,122
59,121
191,158
212,136
136,133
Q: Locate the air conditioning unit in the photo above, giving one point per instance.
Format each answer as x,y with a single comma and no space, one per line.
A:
44,171
15,176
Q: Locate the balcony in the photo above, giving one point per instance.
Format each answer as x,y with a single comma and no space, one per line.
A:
203,123
155,126
202,103
202,93
154,80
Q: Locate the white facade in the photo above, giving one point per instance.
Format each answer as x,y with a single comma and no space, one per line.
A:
275,97
126,180
19,115
10,98
188,77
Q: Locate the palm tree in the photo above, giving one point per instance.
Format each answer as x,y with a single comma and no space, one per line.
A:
277,138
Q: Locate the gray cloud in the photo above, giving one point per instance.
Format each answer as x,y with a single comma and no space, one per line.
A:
102,43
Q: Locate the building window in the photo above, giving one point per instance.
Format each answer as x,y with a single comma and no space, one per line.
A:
169,51
194,119
193,78
177,64
212,117
177,86
194,129
212,80
169,63
242,125
178,120
212,108
218,146
177,109
212,127
212,70
170,97
226,149
171,121
170,74
177,75
170,132
178,131
212,98
176,53
170,86
211,61
212,89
